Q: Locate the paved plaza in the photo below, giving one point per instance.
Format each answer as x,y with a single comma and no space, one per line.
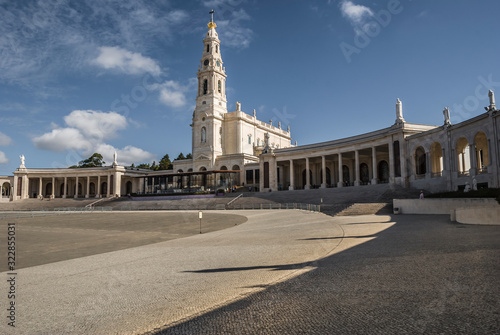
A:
269,272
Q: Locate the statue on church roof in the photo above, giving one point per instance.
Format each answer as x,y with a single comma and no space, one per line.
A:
491,95
238,106
22,158
399,112
115,155
446,113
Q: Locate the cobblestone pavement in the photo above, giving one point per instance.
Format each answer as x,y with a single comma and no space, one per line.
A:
135,290
56,237
423,275
281,272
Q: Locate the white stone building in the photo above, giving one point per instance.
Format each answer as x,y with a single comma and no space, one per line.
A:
236,148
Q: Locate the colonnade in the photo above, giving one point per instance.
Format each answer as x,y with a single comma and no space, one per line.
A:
75,186
338,167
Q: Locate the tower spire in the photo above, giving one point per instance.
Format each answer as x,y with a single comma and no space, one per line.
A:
212,24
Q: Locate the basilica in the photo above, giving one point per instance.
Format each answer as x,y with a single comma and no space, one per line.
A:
234,148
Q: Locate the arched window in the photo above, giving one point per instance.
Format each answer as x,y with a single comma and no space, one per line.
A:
216,48
219,86
208,47
249,139
420,161
203,135
205,86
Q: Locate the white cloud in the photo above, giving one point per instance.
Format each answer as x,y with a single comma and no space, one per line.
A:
39,40
172,93
126,156
61,139
96,124
357,15
4,139
86,132
3,159
125,61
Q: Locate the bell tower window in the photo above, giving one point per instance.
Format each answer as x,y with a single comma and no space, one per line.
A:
216,49
205,86
208,47
219,86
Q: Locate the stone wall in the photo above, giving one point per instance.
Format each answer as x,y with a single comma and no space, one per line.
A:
440,206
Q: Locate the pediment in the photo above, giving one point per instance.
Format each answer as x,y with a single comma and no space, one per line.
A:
202,157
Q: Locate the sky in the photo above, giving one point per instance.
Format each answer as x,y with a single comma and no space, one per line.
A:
78,77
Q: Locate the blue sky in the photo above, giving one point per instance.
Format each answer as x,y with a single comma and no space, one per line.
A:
78,77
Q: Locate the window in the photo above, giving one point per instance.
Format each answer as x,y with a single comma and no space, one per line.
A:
216,49
219,86
258,141
205,86
208,47
249,139
203,135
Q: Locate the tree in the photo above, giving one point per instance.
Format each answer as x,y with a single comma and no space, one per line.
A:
144,166
165,163
180,157
95,160
189,156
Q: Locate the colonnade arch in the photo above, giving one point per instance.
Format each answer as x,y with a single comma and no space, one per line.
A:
420,161
463,156
6,189
482,154
436,159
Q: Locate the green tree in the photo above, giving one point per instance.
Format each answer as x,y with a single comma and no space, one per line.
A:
165,163
180,157
95,160
189,156
144,166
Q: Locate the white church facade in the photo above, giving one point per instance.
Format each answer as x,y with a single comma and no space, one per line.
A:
235,148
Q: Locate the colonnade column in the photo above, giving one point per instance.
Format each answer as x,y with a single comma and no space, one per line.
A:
374,163
473,164
292,181
87,195
391,163
98,195
108,184
53,187
65,187
308,175
323,171
76,188
402,161
356,168
40,190
341,179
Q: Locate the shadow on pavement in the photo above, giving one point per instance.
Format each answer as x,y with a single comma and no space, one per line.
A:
421,275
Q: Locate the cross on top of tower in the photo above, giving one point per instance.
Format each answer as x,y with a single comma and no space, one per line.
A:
212,24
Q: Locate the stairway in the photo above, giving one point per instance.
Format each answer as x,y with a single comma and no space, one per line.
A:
367,209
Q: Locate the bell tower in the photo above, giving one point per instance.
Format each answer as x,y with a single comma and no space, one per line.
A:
211,103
